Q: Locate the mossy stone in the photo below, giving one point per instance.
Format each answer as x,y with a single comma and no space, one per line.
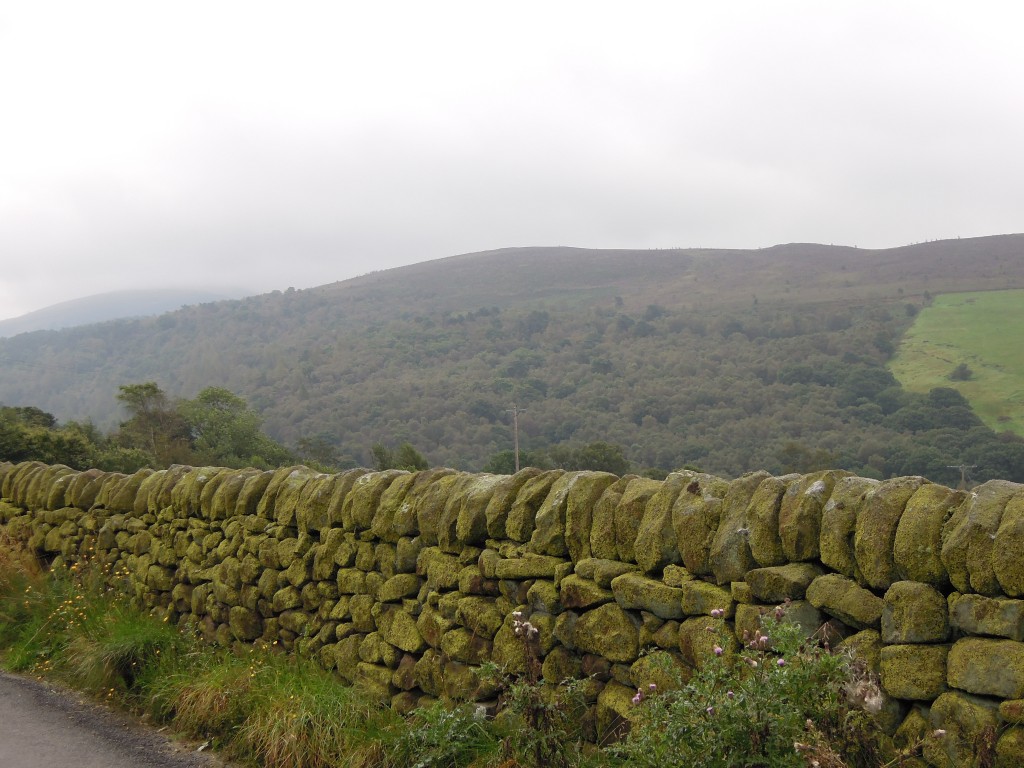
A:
763,520
608,631
801,511
560,665
1008,545
875,534
397,627
461,644
917,549
968,538
695,518
656,545
615,710
479,615
580,593
638,592
730,555
286,598
782,582
699,598
914,613
844,599
916,672
967,722
405,517
698,637
629,513
505,491
583,496
361,502
399,586
471,519
391,501
664,669
839,523
1010,748
602,524
521,517
529,567
988,667
979,615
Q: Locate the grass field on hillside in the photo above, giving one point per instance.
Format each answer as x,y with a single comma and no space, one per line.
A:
983,330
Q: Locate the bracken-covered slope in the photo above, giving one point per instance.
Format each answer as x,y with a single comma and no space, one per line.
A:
729,360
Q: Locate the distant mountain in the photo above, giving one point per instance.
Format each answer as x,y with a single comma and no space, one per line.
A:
728,360
102,307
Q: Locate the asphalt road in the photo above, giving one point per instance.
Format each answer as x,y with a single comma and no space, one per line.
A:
46,727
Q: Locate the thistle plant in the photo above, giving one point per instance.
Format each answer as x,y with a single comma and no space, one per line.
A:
778,702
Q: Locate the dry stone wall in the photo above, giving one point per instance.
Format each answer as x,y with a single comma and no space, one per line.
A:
408,582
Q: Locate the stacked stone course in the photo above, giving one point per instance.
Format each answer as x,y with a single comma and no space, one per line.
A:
407,582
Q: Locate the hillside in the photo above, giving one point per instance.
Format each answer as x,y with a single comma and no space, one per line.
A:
729,360
105,306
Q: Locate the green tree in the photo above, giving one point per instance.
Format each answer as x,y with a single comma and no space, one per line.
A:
153,424
224,431
406,457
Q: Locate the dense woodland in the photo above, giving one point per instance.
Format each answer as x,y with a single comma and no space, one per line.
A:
641,361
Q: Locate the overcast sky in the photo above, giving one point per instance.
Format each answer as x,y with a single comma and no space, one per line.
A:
257,146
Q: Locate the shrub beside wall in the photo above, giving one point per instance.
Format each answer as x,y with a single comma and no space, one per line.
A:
408,581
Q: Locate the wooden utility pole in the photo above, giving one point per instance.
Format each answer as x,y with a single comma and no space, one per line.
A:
515,411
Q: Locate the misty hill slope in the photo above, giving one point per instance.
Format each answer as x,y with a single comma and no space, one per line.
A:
730,360
103,307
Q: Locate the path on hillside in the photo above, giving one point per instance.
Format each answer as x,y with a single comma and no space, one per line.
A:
44,727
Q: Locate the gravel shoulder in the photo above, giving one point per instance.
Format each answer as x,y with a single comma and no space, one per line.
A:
43,726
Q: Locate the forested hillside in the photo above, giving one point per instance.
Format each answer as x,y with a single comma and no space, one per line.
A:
724,360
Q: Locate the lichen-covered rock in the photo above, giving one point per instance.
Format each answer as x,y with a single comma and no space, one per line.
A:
697,644
397,627
602,524
602,571
800,514
656,544
763,520
798,612
530,567
471,522
447,521
399,586
221,503
480,615
730,550
782,582
579,593
914,613
464,645
917,549
968,538
979,615
875,533
698,598
988,667
56,495
1009,543
629,513
664,669
695,518
967,723
521,517
83,489
843,598
608,631
361,502
549,534
392,499
579,509
634,591
916,672
249,497
615,709
1010,748
839,524
504,496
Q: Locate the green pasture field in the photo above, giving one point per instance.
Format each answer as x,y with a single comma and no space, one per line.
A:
983,329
